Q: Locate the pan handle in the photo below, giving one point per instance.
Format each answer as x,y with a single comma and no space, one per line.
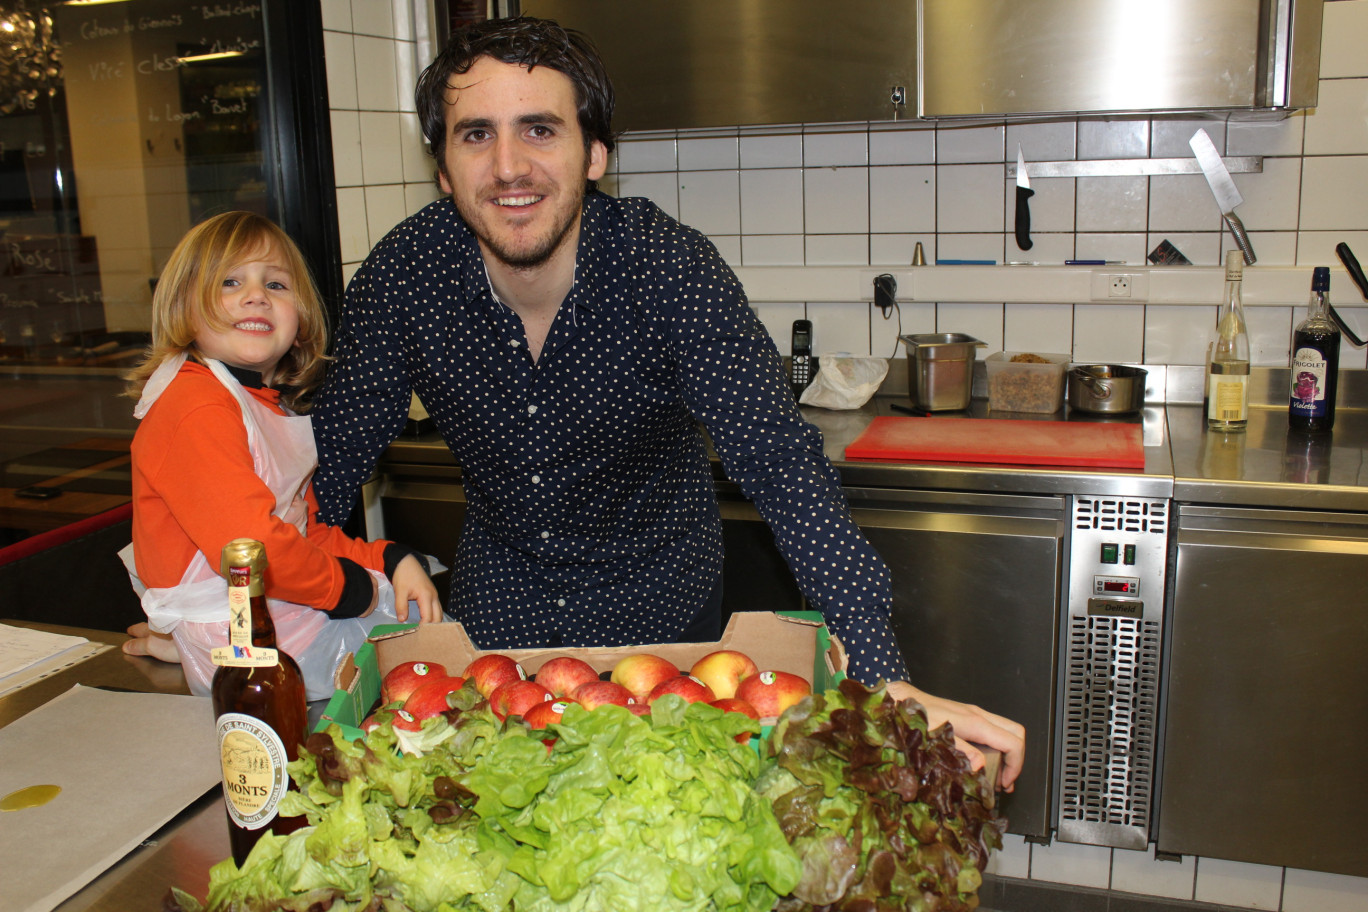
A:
1099,387
1351,263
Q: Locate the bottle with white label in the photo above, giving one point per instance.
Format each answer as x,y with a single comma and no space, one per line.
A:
1315,362
259,705
1228,370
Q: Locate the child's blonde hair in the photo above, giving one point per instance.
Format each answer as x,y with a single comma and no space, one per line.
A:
190,289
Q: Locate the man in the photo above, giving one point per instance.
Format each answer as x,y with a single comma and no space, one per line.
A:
567,345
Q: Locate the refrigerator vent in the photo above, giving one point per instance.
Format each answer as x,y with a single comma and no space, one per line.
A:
1105,514
1109,723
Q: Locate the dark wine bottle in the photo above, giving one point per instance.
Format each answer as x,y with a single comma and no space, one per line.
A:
259,704
1315,362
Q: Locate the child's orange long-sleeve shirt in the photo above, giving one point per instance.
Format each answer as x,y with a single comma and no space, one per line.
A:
195,489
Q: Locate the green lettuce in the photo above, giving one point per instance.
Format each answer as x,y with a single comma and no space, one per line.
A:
620,812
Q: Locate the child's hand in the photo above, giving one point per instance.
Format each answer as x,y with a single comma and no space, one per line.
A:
411,582
375,598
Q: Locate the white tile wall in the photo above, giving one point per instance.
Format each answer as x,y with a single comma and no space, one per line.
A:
860,194
1235,883
1067,863
380,166
1141,872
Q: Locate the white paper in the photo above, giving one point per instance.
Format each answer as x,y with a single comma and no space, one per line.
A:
22,647
126,764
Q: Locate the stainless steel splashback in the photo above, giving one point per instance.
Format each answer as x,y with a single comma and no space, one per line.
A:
714,63
719,63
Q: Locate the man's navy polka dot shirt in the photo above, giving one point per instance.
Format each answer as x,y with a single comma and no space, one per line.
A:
591,516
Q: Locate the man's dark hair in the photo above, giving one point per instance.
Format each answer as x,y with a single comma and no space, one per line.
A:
531,43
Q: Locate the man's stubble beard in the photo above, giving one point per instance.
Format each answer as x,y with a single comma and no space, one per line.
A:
534,255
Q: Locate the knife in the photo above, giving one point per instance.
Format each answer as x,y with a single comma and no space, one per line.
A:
1223,188
1023,209
1351,263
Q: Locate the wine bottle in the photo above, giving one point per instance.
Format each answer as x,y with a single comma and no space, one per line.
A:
1315,362
1228,370
259,704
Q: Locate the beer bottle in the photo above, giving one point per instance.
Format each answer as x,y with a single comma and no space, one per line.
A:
258,697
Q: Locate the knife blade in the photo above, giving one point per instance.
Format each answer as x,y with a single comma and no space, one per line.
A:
1223,188
1023,208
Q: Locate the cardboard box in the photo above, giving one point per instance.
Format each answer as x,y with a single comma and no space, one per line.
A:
797,642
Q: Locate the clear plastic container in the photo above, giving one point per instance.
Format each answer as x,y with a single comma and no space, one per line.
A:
1034,385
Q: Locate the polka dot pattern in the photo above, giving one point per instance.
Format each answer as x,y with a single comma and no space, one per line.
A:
591,514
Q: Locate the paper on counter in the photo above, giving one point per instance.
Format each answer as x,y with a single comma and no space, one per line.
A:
126,763
23,647
28,655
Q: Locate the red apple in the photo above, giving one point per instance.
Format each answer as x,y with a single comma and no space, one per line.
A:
375,719
544,713
601,693
733,704
403,678
639,709
430,697
491,670
563,674
404,721
640,672
515,698
691,689
772,692
723,670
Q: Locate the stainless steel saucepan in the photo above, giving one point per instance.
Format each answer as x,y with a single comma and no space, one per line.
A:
1106,389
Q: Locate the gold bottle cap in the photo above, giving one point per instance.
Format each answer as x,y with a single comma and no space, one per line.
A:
245,552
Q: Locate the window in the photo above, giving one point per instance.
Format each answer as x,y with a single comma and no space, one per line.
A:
122,124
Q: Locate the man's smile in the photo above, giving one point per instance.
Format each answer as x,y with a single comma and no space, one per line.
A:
516,201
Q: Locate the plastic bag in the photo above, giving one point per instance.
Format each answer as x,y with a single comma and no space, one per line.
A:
195,613
844,381
315,641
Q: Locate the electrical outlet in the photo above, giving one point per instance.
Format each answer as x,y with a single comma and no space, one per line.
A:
1120,286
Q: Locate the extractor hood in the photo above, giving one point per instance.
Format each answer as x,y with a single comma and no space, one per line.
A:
722,63
1008,57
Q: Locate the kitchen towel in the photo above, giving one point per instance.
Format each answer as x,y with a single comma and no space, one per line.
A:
126,763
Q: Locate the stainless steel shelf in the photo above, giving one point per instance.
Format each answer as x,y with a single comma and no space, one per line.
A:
1134,167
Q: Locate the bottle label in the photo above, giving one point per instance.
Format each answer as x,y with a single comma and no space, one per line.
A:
1228,397
254,773
240,653
1308,383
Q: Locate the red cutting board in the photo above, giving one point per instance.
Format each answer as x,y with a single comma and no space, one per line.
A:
1002,441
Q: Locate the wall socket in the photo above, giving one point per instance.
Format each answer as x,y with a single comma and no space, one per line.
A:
1120,286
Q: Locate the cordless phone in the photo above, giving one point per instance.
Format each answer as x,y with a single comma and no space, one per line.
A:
800,364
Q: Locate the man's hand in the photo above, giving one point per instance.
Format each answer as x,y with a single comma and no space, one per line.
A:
972,724
411,582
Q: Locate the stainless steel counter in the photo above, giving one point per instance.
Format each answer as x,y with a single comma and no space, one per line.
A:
1268,465
428,455
1264,466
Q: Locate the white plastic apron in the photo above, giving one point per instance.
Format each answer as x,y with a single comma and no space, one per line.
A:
195,611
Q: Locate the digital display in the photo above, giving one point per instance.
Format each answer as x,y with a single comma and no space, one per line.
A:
1115,586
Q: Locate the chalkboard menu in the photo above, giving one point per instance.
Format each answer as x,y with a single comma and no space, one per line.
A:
121,126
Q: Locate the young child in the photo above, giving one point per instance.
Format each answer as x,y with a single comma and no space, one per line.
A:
238,338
